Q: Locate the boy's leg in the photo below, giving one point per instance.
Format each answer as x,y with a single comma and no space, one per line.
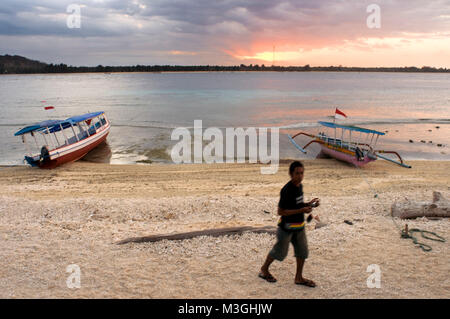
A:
265,274
299,272
301,253
299,280
265,267
279,252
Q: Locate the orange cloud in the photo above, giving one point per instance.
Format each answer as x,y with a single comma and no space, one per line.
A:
408,50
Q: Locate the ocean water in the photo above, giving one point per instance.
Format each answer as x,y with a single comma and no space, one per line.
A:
144,108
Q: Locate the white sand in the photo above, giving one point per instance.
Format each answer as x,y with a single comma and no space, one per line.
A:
76,213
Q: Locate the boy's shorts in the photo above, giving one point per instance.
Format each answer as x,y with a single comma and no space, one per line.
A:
281,247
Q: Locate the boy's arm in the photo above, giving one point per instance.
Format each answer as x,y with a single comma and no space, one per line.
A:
288,212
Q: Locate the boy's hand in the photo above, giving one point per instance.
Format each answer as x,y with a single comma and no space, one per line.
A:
306,210
314,203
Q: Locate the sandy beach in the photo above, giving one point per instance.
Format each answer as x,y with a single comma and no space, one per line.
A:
75,214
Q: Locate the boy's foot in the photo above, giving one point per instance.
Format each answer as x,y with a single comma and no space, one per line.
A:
267,276
306,282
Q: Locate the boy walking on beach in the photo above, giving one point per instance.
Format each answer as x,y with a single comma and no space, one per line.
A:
291,227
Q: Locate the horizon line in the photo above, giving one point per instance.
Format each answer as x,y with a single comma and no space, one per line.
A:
236,65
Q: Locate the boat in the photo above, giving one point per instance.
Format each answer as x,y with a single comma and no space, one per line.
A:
57,142
358,151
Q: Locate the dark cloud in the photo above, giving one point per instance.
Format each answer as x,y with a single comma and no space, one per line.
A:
138,27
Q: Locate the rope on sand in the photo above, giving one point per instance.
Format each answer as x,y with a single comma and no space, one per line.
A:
404,233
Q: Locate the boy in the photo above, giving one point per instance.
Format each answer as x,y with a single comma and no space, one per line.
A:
291,226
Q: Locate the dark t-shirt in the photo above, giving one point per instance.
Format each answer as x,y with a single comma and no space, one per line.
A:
291,197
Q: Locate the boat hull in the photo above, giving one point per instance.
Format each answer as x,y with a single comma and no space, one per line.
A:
345,156
74,151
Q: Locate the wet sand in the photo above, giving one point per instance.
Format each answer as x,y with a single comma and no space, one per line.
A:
77,213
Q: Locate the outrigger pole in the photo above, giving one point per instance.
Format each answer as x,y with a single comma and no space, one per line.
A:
391,160
296,145
301,149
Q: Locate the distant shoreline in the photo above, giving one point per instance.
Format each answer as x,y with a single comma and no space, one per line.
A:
21,65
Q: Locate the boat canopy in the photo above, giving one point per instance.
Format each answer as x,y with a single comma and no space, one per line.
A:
351,128
55,125
84,117
37,126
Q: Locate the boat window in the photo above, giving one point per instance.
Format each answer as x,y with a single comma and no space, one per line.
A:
82,133
59,138
92,130
70,135
97,124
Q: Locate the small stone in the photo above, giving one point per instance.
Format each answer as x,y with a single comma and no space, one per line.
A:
411,141
348,222
320,225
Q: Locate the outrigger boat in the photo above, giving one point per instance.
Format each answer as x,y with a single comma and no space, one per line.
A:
65,141
358,152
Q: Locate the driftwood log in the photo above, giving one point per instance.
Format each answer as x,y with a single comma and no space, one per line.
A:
207,232
440,207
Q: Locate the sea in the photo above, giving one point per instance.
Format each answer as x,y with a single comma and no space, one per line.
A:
412,109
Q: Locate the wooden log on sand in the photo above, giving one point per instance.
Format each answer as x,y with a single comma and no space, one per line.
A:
440,207
207,232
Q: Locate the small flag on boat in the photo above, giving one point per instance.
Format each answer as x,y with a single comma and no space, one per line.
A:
49,107
339,114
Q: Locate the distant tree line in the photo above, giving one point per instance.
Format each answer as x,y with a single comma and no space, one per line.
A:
20,65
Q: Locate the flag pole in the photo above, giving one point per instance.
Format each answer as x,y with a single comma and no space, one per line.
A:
334,117
334,122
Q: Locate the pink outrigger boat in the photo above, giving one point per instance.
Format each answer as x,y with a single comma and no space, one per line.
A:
78,135
357,152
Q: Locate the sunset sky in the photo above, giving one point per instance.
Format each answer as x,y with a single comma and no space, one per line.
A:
229,32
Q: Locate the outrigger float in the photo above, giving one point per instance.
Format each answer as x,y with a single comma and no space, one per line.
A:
77,136
358,152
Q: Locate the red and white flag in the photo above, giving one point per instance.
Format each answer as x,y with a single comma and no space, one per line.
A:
339,114
49,108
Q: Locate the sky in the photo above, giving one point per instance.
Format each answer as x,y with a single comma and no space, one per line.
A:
229,32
